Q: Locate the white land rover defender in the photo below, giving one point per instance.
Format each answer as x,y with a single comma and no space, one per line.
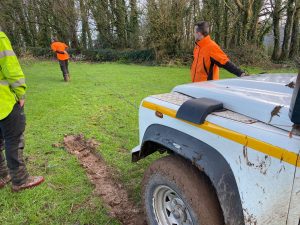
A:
233,152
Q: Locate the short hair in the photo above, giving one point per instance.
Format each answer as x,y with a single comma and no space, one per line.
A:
203,27
54,39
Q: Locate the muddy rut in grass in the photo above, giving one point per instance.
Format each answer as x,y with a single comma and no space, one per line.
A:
111,191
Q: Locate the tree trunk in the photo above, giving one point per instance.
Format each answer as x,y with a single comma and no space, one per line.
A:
133,25
226,25
254,24
287,30
72,20
276,29
120,13
217,19
104,18
22,22
84,24
295,32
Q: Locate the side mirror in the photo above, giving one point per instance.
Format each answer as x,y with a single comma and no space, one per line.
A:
295,103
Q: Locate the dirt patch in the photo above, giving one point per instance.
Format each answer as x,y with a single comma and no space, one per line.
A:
111,191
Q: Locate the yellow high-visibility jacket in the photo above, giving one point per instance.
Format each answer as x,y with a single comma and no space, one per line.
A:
12,79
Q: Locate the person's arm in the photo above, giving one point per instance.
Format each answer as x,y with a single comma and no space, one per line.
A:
230,67
219,58
66,48
60,52
11,69
54,49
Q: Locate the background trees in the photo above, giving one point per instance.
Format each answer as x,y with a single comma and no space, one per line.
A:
163,25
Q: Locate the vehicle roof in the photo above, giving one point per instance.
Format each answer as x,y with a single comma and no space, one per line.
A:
264,97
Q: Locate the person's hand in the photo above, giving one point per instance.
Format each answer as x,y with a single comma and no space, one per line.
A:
21,103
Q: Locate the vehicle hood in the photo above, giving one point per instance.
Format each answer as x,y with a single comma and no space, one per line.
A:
265,97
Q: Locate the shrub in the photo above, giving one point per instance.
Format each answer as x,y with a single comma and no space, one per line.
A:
95,55
249,55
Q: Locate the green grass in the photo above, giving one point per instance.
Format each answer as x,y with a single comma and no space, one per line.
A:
100,103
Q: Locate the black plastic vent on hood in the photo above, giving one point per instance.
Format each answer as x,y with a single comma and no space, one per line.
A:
295,103
196,110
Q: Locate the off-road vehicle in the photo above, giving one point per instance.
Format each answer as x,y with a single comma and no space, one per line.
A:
233,149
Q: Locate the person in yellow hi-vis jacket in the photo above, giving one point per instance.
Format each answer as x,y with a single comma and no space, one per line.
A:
12,120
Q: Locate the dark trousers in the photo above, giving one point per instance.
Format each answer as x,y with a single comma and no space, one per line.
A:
64,66
12,139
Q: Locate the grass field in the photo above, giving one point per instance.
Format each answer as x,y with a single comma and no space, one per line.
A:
99,102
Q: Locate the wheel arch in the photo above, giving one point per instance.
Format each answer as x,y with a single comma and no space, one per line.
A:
162,138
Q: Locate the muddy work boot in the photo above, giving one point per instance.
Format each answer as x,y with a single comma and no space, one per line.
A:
30,183
66,78
4,181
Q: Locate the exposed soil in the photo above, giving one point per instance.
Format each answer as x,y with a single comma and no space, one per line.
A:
109,189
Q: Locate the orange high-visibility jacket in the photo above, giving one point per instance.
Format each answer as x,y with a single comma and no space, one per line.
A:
59,46
208,57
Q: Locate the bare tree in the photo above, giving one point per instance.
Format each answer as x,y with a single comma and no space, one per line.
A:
164,25
294,49
288,30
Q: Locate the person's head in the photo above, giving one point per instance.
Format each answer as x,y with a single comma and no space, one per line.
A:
201,30
54,39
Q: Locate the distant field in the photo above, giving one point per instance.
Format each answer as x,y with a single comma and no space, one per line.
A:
99,102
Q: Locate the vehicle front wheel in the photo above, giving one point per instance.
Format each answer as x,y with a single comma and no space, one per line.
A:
176,193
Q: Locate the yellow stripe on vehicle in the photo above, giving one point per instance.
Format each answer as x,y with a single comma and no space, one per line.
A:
263,147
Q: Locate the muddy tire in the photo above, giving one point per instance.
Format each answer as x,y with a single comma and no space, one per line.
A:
175,192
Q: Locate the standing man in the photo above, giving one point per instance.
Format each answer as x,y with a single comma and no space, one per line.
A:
208,57
62,55
12,120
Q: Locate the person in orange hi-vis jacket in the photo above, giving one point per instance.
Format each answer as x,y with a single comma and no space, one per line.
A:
208,57
62,55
